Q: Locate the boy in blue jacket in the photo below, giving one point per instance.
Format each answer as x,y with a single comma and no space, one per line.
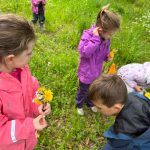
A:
131,129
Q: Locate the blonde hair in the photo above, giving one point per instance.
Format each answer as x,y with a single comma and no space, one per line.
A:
107,20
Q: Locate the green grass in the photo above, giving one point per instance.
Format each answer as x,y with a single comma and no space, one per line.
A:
56,59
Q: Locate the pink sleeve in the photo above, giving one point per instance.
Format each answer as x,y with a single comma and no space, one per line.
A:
88,44
35,88
12,131
35,2
44,2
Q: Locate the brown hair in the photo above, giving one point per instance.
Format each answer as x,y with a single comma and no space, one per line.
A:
110,89
15,34
107,20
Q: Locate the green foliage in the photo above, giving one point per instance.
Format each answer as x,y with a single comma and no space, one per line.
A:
56,59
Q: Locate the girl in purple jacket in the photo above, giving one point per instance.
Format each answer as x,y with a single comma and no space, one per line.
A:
38,8
94,49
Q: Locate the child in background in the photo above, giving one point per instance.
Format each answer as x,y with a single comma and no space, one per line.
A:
38,8
94,50
136,76
131,128
20,117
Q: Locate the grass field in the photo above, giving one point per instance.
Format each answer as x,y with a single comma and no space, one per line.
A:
56,58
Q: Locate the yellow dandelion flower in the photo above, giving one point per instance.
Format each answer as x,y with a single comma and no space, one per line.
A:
37,101
41,89
43,96
48,95
147,94
112,53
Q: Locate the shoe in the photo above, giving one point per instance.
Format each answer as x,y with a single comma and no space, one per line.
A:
42,27
80,111
94,109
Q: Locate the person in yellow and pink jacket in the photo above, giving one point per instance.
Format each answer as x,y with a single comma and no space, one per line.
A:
20,117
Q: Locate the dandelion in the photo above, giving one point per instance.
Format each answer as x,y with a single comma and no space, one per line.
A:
43,96
48,96
113,52
147,94
112,69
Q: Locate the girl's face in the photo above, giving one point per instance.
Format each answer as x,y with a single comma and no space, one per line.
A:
22,59
106,35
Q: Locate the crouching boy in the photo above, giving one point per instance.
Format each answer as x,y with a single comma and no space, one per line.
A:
131,129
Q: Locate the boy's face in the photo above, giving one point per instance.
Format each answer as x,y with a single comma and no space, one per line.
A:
108,111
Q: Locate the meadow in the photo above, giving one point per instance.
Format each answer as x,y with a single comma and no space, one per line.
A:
56,57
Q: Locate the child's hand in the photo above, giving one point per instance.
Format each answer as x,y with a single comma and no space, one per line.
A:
96,31
109,58
47,109
138,88
40,0
39,123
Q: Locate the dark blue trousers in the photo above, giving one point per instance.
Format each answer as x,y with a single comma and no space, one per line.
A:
40,16
82,95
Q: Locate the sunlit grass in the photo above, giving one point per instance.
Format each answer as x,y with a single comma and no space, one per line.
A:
56,58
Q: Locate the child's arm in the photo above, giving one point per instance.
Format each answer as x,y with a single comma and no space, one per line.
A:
138,88
88,44
130,82
15,130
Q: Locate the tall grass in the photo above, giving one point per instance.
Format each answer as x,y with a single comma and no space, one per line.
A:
56,58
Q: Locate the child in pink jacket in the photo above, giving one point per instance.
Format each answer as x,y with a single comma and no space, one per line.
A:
20,117
38,9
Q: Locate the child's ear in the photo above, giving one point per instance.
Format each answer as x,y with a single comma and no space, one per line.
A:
9,59
100,30
118,107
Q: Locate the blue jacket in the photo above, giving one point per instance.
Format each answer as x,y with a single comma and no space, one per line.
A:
122,141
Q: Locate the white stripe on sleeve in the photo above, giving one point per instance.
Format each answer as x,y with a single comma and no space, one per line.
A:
13,123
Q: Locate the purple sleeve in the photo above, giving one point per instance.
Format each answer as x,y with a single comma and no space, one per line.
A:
127,77
131,83
88,44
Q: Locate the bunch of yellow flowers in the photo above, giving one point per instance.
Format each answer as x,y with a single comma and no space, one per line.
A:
43,96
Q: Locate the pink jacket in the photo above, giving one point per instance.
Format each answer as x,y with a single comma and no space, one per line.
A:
35,4
17,111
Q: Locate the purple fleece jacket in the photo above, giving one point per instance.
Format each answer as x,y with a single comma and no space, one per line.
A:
93,51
